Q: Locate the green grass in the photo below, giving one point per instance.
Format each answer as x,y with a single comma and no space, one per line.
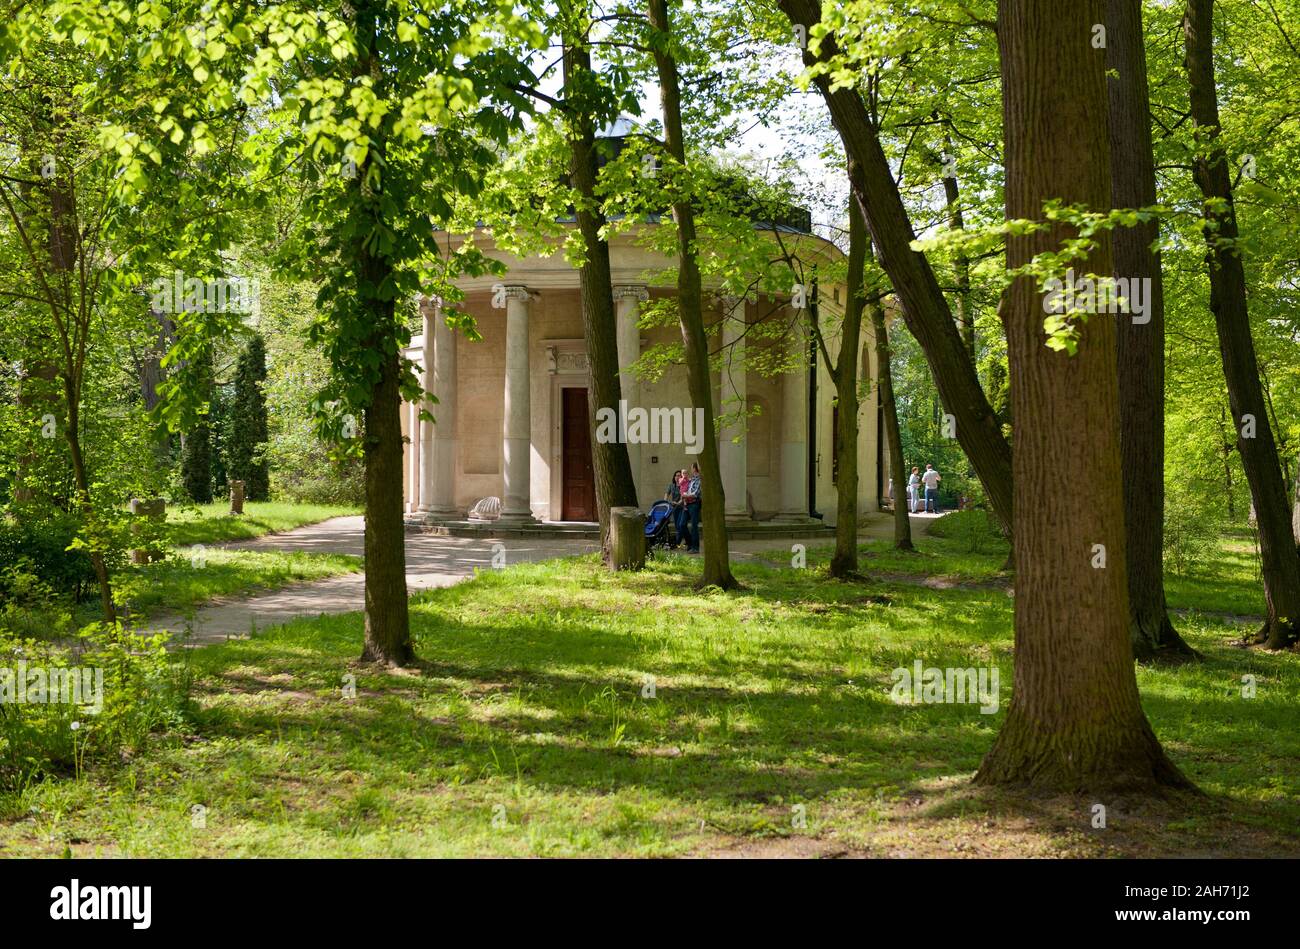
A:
213,523
182,582
1228,582
531,731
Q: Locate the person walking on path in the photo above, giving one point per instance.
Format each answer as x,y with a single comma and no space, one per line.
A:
931,480
913,489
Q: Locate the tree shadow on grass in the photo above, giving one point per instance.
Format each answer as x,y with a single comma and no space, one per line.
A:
563,699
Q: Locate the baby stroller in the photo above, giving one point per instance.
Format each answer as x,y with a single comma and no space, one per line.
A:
656,525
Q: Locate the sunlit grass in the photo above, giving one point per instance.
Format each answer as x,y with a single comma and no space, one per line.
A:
214,524
563,710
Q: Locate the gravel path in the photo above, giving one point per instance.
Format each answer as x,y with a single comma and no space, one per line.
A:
431,561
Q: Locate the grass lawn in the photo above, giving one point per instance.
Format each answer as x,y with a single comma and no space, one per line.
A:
183,581
213,523
180,583
533,730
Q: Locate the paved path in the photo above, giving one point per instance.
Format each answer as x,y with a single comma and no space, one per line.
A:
431,561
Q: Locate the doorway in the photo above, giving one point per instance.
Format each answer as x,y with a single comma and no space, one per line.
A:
578,484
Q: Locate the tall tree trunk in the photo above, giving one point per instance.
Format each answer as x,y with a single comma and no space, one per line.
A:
690,308
888,405
925,309
388,627
844,562
388,630
615,486
1259,456
1075,722
961,263
1141,345
68,279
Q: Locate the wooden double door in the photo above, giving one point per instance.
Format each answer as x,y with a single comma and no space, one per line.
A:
577,473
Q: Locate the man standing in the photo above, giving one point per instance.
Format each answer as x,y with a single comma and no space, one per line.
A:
931,479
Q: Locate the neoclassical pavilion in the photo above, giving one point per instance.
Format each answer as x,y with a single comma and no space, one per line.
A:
512,417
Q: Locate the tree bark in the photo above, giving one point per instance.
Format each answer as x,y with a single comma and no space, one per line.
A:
1075,722
1141,346
615,486
1228,302
690,308
387,628
388,631
844,562
961,263
924,306
888,405
1295,513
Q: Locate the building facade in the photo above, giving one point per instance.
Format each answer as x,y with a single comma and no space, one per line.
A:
512,411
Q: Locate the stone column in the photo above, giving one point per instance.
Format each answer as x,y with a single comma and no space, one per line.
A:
794,435
732,399
438,488
516,440
413,459
627,302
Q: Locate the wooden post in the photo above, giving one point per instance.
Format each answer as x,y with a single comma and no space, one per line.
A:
627,538
155,509
236,497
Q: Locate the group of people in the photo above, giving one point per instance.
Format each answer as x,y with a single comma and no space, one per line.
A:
684,495
927,483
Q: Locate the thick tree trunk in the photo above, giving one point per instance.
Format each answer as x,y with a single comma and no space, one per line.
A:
844,562
1141,344
615,486
388,626
690,308
1259,456
888,405
1075,722
925,309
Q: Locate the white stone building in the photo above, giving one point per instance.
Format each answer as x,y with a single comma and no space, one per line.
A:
512,413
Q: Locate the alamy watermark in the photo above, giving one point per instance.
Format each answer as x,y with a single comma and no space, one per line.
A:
655,426
52,685
928,685
131,903
181,294
1099,295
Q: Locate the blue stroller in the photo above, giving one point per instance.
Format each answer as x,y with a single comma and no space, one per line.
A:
656,525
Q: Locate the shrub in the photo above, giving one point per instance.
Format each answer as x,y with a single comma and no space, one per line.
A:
37,550
144,692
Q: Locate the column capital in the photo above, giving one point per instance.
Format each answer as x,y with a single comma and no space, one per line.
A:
505,292
632,292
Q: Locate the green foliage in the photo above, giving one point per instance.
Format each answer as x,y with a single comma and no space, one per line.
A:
142,692
248,424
